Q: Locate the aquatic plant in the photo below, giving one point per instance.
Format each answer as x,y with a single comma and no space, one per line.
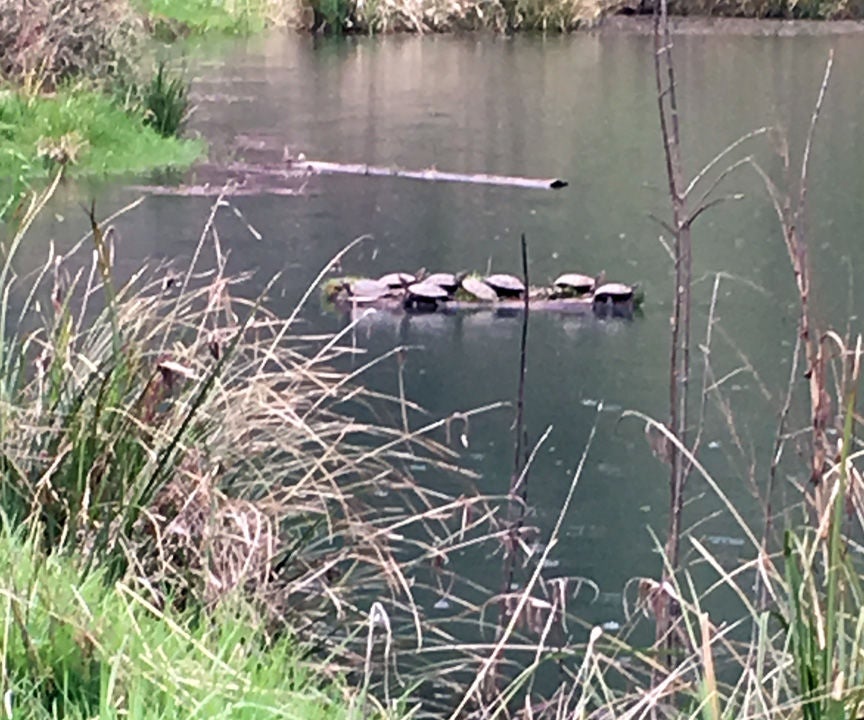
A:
166,102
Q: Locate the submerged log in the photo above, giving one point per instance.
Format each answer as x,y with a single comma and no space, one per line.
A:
430,174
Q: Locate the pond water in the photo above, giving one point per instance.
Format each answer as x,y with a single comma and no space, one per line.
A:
583,108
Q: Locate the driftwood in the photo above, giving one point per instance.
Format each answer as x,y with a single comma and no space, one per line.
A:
235,179
431,174
210,190
269,178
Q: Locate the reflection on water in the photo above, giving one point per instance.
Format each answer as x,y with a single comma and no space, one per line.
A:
581,108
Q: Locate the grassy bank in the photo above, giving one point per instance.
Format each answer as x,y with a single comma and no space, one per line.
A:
85,130
168,18
84,647
77,90
384,16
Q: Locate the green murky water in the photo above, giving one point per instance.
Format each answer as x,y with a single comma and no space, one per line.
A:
581,108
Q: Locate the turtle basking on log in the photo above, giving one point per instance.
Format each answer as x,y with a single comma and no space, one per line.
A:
576,284
506,286
445,280
473,288
424,295
500,293
614,292
613,299
365,289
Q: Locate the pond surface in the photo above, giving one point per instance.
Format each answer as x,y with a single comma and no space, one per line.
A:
581,108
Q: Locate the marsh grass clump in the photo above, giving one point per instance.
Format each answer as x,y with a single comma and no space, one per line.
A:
166,432
771,9
166,102
383,16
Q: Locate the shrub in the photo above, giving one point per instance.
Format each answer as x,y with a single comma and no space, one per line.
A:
49,41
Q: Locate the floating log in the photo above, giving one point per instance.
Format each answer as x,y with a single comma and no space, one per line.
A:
506,307
215,190
430,174
235,179
566,306
290,178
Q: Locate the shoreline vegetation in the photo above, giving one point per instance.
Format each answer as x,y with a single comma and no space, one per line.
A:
173,18
80,90
203,513
190,501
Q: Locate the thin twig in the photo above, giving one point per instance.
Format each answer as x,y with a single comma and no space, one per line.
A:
516,510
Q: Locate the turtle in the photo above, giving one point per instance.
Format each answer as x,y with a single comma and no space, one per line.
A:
448,281
424,295
613,292
506,286
365,289
477,289
576,284
397,280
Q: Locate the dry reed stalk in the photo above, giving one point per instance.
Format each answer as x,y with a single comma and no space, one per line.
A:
226,456
44,42
790,213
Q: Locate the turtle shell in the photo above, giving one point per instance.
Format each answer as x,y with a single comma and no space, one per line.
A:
575,281
367,289
479,289
616,292
397,279
447,281
427,291
505,285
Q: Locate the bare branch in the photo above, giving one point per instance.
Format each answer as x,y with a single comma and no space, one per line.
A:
662,223
805,162
723,153
713,203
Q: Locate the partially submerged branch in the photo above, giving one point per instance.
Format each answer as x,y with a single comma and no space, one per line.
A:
429,174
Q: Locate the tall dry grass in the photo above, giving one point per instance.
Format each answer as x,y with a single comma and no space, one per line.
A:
171,432
47,42
777,631
421,16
